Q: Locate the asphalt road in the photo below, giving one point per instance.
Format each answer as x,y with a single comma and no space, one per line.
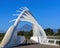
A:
37,46
32,44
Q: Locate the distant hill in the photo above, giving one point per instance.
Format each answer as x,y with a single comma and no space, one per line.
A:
55,30
25,28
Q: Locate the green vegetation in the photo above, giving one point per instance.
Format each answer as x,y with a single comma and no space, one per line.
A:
58,33
26,34
1,36
49,32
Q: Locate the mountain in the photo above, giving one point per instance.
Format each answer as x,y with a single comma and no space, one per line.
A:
55,30
25,28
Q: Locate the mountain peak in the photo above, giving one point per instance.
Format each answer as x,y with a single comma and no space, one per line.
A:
25,27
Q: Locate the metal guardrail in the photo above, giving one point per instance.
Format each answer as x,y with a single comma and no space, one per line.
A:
53,37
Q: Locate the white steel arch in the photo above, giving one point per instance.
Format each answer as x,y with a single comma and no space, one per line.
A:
11,38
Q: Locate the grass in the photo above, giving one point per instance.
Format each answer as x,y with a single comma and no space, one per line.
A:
1,39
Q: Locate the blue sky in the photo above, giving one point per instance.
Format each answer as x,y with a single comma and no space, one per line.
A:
46,12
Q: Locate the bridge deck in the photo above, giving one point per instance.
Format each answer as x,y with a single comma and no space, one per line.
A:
32,44
37,46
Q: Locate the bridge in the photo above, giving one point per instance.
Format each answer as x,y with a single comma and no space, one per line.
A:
39,36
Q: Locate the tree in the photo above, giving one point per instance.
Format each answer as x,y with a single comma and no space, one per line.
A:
49,31
31,32
21,33
58,33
